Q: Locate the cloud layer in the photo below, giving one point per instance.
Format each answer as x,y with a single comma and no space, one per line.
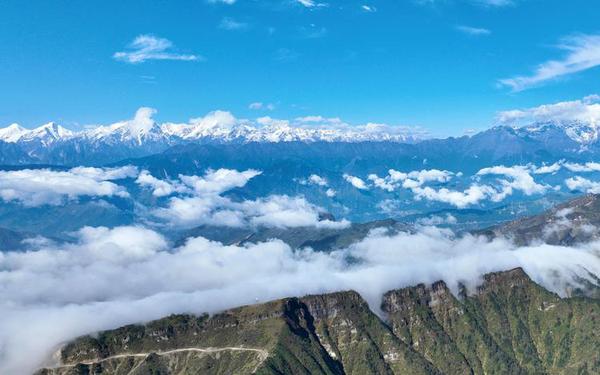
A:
424,184
37,187
200,201
111,277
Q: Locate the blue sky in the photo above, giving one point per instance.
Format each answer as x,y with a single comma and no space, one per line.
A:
438,64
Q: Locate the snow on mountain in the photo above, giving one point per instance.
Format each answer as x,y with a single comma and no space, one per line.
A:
12,133
142,135
217,126
582,132
46,134
578,119
141,129
49,132
222,127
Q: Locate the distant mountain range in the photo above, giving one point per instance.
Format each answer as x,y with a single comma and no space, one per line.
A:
54,144
508,325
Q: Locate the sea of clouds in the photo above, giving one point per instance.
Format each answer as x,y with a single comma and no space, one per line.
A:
191,200
111,277
108,277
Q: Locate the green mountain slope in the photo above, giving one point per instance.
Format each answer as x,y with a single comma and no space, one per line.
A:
509,325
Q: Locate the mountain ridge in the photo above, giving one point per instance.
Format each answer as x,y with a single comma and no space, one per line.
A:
142,136
509,324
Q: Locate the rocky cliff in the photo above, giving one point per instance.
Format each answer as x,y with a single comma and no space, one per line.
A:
508,325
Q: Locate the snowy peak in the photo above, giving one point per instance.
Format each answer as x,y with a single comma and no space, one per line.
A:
12,133
217,126
49,132
142,128
582,132
46,134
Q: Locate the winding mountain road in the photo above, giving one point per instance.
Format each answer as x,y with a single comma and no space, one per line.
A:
262,355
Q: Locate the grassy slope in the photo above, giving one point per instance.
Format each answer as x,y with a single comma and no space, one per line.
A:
509,325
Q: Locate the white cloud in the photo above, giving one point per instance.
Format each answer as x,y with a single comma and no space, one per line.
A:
330,193
520,180
319,119
582,53
547,169
586,110
389,206
477,31
201,202
219,181
461,199
563,223
410,180
484,3
213,120
572,167
311,3
112,277
280,211
44,186
231,24
261,106
228,2
106,174
317,180
368,8
356,182
587,167
286,212
418,178
187,212
381,183
436,220
148,47
583,184
160,188
129,130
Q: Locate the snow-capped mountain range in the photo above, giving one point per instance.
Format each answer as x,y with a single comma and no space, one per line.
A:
218,127
142,136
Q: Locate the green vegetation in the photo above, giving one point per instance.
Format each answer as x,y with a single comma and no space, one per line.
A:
509,325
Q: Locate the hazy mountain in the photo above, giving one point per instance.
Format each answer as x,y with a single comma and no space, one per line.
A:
320,239
509,325
11,240
575,221
51,143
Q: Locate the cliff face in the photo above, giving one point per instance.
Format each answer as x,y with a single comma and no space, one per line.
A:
509,325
